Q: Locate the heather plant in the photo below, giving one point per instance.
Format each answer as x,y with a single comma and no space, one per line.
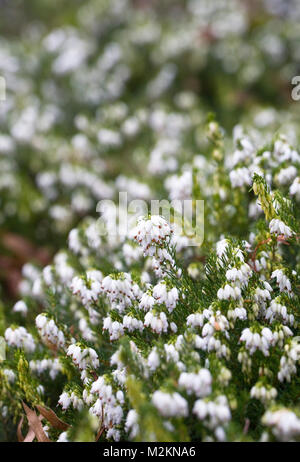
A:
132,328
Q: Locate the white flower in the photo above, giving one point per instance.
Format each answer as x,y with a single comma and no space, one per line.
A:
64,400
49,331
115,328
10,375
130,323
88,291
158,323
171,353
198,383
279,228
120,290
255,341
240,177
227,292
19,338
161,294
240,275
295,188
286,175
262,393
180,187
152,233
221,247
63,438
284,424
131,424
170,405
146,302
153,360
20,307
282,280
214,413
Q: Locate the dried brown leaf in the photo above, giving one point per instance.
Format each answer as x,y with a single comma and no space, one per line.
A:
50,415
19,430
35,424
29,437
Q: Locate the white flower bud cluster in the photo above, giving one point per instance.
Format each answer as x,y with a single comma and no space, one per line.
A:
115,328
214,413
208,341
262,393
283,151
131,324
63,270
180,187
261,263
198,383
171,353
162,157
20,307
68,398
88,288
198,319
288,362
120,290
161,261
278,228
283,423
286,175
240,177
131,253
19,338
49,332
86,332
52,366
31,274
238,313
228,292
153,359
255,341
162,295
83,358
278,311
245,360
282,280
64,400
10,375
63,438
88,397
74,241
221,247
245,149
211,343
152,233
131,424
170,404
261,295
281,333
147,301
108,405
239,276
93,236
295,188
157,322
